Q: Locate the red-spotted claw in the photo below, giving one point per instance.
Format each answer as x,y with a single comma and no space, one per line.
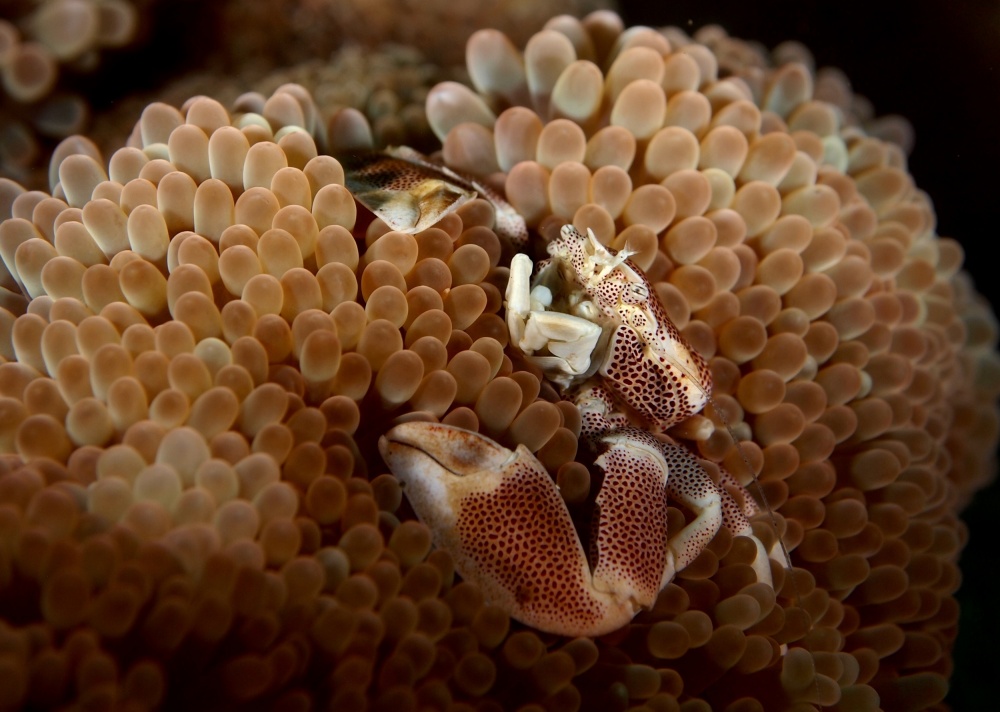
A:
500,516
502,519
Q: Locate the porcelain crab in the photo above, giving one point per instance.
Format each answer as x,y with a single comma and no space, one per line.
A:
591,321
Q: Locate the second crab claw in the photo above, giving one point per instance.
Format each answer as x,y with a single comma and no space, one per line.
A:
502,519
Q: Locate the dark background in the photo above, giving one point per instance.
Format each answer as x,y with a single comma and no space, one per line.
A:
937,64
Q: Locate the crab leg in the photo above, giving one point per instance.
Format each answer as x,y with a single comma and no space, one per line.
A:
641,471
502,519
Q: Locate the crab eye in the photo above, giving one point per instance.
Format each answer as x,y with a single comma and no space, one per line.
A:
636,294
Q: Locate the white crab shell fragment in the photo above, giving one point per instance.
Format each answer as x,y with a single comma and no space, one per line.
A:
408,196
410,193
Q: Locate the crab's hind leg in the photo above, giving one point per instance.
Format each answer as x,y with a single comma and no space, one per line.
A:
748,508
689,483
743,500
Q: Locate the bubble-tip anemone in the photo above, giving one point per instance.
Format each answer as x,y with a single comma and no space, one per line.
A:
203,338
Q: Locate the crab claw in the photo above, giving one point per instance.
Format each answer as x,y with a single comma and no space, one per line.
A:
640,472
500,516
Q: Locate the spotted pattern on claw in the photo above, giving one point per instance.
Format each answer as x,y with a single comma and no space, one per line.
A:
659,394
627,556
509,532
502,519
676,474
